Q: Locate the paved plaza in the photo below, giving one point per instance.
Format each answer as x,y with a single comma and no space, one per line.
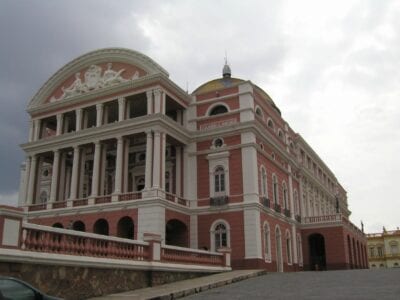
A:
352,284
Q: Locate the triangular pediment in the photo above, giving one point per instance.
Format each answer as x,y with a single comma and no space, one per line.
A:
100,69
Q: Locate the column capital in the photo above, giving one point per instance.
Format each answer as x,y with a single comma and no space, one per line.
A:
149,93
99,106
157,92
121,100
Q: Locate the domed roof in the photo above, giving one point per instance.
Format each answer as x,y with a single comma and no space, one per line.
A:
217,84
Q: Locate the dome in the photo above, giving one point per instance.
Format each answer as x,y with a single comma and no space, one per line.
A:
218,84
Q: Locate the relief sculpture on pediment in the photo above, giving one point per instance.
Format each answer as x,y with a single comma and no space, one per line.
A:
93,80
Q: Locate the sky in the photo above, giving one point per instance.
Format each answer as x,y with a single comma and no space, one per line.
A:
332,67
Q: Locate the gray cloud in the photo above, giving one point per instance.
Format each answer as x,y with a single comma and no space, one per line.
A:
332,68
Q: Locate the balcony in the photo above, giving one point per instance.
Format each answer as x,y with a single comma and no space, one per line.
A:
286,212
277,207
266,202
219,201
298,218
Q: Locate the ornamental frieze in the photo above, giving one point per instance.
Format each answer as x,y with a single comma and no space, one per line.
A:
94,79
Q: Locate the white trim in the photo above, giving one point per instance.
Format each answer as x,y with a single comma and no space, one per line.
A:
267,254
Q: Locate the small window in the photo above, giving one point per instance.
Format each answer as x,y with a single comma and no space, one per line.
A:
262,146
280,134
217,110
259,112
270,124
218,143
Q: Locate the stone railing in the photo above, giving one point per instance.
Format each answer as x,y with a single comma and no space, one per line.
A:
46,239
189,256
109,199
323,219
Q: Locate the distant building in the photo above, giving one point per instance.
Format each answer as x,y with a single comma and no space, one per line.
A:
383,249
117,148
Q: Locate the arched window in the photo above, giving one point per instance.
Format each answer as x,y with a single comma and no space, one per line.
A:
263,182
219,180
267,242
289,248
275,188
296,202
280,134
219,235
259,112
394,248
217,110
285,195
270,124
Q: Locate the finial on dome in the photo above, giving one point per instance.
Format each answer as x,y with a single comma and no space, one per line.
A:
226,71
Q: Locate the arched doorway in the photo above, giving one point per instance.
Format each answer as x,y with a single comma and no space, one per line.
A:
126,228
176,233
278,243
101,227
316,244
79,226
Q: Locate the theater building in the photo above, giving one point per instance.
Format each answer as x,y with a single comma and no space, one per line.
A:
117,148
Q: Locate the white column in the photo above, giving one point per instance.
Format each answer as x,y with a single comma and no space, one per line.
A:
125,167
149,160
157,101
75,173
118,165
78,117
194,232
62,172
55,176
121,109
60,121
96,169
99,114
178,171
24,182
301,198
163,102
162,154
31,131
149,95
37,129
291,198
190,173
157,160
250,169
32,180
294,243
252,233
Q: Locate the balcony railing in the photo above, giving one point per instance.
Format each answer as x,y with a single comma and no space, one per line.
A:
286,212
266,202
323,219
298,218
277,207
219,201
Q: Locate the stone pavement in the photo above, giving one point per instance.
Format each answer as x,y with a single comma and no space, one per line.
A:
346,285
186,287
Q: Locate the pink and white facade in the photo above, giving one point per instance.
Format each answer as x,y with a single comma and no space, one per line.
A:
117,148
